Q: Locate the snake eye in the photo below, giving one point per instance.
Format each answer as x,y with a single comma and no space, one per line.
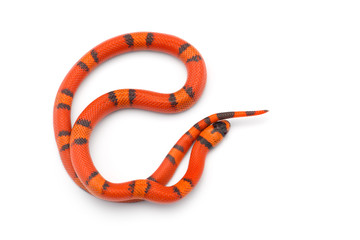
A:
221,127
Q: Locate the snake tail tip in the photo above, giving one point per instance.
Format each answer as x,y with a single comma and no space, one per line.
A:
255,113
261,112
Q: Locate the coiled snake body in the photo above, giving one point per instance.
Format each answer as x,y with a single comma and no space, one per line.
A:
73,142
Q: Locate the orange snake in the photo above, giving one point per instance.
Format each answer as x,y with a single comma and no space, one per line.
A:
73,142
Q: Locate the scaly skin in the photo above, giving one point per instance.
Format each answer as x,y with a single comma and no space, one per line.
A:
73,142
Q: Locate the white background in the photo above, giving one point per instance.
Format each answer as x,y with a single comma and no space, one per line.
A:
293,173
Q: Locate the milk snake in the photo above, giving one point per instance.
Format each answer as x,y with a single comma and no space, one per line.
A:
73,142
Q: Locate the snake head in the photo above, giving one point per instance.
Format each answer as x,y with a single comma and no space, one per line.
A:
214,133
221,127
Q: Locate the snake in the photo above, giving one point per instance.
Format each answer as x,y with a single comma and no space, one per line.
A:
73,141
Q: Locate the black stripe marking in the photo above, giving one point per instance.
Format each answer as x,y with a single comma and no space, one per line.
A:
64,133
149,39
177,191
189,91
129,40
205,142
132,95
113,98
207,120
172,100
147,187
63,106
189,181
94,55
178,147
92,175
64,147
197,126
80,141
225,115
220,127
171,158
183,47
195,58
189,134
132,187
83,66
152,179
67,92
105,186
250,113
84,122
